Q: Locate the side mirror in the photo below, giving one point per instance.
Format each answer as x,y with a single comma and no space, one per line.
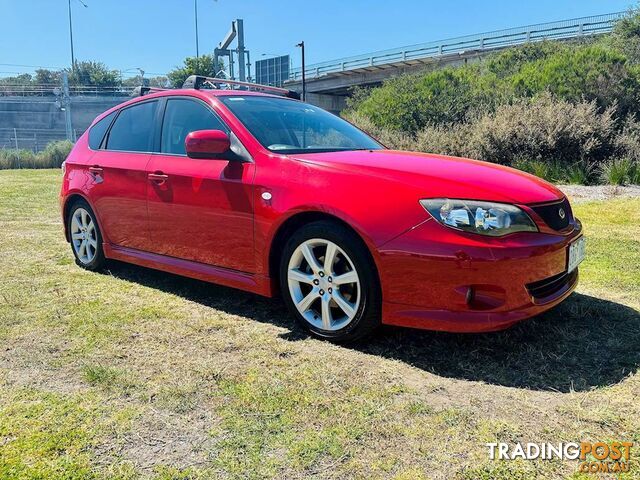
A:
207,144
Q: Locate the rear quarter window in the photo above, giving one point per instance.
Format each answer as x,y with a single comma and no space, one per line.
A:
96,133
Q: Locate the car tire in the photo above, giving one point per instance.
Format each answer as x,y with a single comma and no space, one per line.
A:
338,298
85,236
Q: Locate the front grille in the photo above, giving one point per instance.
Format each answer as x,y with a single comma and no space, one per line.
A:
551,214
550,286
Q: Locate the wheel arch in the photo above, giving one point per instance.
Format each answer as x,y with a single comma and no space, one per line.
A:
299,220
69,201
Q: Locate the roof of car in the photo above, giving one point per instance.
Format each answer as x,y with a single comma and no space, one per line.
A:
187,92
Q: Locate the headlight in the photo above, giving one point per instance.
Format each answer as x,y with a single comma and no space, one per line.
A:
485,218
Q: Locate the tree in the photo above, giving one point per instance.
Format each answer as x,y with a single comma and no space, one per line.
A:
22,79
192,66
93,73
159,81
47,77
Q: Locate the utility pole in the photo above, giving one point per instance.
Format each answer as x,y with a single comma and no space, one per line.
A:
304,83
195,8
73,58
66,104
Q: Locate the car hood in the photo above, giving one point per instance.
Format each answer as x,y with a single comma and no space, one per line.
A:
441,176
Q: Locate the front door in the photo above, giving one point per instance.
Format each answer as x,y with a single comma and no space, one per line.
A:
199,210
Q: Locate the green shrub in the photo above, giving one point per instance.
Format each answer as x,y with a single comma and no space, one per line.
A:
620,171
545,128
574,72
411,102
10,158
539,168
626,36
510,61
451,139
576,136
634,177
55,153
591,72
628,139
51,157
550,138
389,138
578,174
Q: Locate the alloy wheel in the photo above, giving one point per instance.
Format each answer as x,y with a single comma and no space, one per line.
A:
324,284
84,236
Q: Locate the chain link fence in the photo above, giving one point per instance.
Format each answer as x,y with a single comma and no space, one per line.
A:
33,139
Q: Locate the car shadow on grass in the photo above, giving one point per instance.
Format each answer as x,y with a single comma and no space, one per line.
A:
583,343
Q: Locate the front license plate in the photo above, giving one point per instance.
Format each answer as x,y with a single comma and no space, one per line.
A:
576,254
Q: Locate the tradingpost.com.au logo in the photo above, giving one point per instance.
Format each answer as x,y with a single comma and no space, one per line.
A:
593,457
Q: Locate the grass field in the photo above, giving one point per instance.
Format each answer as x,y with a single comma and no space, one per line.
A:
134,373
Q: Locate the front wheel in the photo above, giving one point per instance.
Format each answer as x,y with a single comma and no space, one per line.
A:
329,282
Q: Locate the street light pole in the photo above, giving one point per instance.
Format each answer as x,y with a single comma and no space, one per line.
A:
73,58
304,85
195,8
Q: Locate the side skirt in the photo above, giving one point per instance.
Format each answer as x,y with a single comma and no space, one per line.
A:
260,284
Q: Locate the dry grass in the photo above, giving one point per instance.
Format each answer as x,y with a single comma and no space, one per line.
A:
139,374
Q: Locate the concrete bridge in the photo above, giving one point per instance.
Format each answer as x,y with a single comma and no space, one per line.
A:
328,84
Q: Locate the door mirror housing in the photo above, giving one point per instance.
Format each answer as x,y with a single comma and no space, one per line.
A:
207,144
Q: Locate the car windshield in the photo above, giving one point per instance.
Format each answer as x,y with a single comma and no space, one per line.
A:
288,126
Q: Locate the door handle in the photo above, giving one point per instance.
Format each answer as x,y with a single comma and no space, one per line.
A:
158,178
95,169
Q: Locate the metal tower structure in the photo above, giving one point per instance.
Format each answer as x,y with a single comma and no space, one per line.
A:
242,54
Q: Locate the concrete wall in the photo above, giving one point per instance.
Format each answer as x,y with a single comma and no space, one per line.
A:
37,120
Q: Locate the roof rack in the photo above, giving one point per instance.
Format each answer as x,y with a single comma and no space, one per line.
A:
199,81
141,91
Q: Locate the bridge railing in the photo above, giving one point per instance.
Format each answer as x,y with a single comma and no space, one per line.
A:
564,29
29,90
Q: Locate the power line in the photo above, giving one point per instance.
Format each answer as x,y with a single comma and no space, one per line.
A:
28,66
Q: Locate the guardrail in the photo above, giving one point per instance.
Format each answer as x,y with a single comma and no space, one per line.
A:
564,29
31,90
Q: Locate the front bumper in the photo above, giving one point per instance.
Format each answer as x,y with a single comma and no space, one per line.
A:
437,278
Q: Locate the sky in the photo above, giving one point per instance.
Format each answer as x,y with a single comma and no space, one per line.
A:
156,35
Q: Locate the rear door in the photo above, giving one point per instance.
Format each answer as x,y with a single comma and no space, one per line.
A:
119,170
199,210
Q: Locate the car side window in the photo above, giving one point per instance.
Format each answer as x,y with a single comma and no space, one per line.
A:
132,131
183,116
96,133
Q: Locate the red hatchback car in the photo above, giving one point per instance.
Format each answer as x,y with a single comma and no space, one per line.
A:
268,194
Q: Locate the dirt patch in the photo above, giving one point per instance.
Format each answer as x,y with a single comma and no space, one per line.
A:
587,193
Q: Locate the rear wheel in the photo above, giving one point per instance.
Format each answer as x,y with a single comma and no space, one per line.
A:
329,282
85,237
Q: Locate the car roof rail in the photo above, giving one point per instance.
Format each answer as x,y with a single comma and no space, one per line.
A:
199,81
144,90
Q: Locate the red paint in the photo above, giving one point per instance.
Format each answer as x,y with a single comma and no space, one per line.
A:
207,143
207,219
